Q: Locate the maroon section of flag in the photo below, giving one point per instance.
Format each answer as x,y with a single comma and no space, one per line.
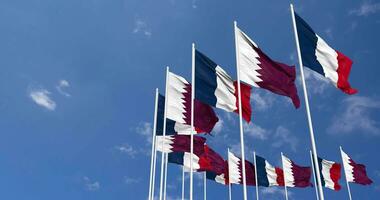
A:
301,175
245,100
355,172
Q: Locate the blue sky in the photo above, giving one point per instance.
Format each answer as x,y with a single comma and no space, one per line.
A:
77,88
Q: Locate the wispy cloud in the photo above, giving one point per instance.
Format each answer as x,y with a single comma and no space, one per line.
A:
145,129
366,8
62,85
274,190
262,100
127,149
256,131
317,84
42,98
141,27
355,114
91,185
194,4
218,127
283,137
130,180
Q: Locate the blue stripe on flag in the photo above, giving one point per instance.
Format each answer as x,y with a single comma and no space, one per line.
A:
262,178
160,118
205,79
176,158
308,44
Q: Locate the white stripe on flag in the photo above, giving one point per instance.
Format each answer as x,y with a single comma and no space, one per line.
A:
225,91
328,58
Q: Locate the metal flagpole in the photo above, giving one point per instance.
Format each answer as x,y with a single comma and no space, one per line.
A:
240,115
163,134
192,118
183,183
166,174
154,168
256,178
344,170
315,181
229,182
313,146
286,190
152,159
204,186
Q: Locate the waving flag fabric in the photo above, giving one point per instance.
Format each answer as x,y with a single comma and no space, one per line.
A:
219,178
179,107
295,175
184,159
320,57
215,161
258,70
355,173
235,175
267,175
179,143
215,87
330,173
170,124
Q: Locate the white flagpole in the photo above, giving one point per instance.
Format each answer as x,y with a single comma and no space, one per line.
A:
204,186
286,190
344,171
315,181
166,174
192,118
154,168
152,159
163,134
229,182
183,183
240,115
256,178
313,145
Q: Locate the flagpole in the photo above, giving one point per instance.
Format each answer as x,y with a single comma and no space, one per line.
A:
183,183
166,174
229,182
204,186
192,118
256,178
154,168
344,170
163,134
313,145
240,116
286,190
151,184
315,181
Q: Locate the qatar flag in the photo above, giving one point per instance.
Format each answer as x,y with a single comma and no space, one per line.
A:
179,108
355,173
179,143
321,58
235,175
295,175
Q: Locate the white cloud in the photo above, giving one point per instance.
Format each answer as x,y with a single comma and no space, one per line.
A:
129,180
283,137
127,149
218,127
41,97
273,191
142,28
315,82
62,84
256,131
91,185
194,4
145,129
366,8
329,32
262,100
356,115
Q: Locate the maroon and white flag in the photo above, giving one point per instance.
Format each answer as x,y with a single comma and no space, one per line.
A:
179,143
235,175
355,173
295,175
179,108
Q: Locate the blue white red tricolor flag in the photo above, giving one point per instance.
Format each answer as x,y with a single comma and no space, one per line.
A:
258,70
267,175
295,175
330,173
179,107
215,87
355,173
321,58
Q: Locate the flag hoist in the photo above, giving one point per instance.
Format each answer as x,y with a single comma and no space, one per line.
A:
192,117
240,113
313,145
154,154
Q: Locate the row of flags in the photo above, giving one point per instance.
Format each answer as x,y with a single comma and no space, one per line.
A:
214,87
229,171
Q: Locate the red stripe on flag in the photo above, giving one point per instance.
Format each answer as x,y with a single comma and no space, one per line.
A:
335,175
245,100
344,68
